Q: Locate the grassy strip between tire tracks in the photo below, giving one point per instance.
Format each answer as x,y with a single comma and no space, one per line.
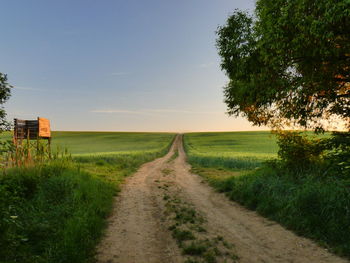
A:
188,228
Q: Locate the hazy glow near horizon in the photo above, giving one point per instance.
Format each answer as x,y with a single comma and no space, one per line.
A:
118,65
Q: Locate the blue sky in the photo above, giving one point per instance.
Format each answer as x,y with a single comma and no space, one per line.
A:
117,65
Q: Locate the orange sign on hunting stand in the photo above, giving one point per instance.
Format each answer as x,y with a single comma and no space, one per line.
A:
44,128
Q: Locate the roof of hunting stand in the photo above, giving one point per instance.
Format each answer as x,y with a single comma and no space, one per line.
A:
32,129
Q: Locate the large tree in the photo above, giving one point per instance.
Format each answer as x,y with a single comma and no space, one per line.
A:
5,92
289,64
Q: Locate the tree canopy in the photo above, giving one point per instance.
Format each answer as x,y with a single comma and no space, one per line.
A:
289,64
5,92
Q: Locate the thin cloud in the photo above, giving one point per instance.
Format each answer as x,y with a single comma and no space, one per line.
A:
116,111
152,111
180,111
169,111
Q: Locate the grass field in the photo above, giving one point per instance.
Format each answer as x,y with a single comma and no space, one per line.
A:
230,149
55,212
86,143
261,144
96,143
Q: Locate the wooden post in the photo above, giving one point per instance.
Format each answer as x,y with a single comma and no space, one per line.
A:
28,146
49,147
15,141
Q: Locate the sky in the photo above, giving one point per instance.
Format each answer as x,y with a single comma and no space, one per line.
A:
117,65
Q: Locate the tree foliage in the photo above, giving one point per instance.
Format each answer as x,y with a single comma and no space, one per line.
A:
5,92
289,64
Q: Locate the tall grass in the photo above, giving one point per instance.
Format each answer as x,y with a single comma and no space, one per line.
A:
309,204
51,213
224,162
26,153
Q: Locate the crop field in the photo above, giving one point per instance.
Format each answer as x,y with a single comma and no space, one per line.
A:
96,143
261,145
231,149
106,143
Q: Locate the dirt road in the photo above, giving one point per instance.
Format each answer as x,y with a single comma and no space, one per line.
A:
138,230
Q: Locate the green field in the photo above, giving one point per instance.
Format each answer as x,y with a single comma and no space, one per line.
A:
260,144
87,143
56,211
231,149
109,142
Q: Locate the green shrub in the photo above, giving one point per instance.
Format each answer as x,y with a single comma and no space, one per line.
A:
298,150
338,157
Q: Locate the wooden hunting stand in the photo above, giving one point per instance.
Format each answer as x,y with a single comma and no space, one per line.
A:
32,132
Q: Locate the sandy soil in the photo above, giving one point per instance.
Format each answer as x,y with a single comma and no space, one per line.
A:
138,231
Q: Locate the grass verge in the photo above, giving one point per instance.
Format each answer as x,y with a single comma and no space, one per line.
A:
51,213
310,204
